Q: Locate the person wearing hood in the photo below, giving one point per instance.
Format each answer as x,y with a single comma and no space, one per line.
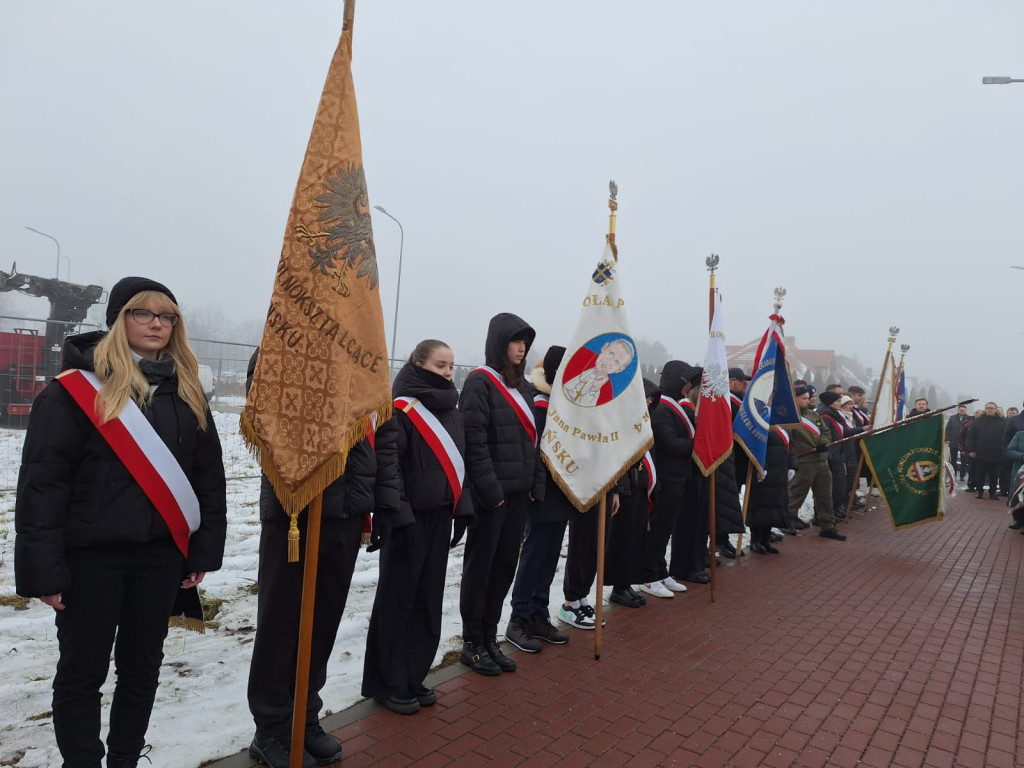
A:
405,625
627,530
97,539
538,560
369,485
673,427
501,463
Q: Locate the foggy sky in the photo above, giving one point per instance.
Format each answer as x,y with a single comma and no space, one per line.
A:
846,151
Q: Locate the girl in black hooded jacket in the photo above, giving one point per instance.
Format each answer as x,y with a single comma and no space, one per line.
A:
90,542
501,459
405,626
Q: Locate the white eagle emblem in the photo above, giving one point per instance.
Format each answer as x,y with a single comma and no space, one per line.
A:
715,382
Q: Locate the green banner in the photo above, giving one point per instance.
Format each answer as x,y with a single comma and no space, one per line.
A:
907,464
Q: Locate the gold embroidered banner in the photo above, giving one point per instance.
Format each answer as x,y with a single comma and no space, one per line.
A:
321,382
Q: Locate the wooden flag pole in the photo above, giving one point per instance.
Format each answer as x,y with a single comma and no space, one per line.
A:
297,748
893,331
712,265
305,632
746,501
889,427
613,206
602,511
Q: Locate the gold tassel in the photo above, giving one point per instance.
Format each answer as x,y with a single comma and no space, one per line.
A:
293,538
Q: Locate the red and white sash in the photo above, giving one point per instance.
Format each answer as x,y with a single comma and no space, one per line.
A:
838,429
541,401
515,399
810,426
783,434
652,478
679,411
146,457
440,442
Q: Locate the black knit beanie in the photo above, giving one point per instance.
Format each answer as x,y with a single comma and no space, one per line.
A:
552,359
126,288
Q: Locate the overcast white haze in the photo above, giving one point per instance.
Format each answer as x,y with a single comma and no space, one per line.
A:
846,151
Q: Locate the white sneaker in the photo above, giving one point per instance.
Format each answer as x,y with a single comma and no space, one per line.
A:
673,585
577,617
657,589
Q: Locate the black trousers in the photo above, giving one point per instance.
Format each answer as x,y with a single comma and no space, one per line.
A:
405,625
538,561
581,563
279,607
125,590
986,472
668,503
624,548
761,534
489,565
690,538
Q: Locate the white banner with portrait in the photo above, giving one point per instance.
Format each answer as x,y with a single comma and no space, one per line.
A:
597,423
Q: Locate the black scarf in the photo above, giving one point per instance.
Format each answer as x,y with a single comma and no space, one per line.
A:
157,371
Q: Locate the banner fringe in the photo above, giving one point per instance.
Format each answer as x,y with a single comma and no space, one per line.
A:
294,501
592,502
705,471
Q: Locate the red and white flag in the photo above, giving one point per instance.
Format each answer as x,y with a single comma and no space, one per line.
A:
713,441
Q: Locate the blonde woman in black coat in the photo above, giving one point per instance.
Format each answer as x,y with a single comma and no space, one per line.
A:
91,540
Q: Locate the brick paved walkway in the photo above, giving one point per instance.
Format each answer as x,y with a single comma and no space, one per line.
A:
890,649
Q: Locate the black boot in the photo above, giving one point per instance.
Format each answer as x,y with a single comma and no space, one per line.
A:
475,656
120,760
504,663
979,495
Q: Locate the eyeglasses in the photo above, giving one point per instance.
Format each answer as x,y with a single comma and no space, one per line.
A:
145,317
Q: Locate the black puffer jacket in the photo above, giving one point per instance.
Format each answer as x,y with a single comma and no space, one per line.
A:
423,483
73,491
368,485
673,441
769,498
500,456
552,505
634,480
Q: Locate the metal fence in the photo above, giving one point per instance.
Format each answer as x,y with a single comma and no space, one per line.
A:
26,364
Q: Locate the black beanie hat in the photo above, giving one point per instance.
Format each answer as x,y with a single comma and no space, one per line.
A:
552,359
126,288
829,397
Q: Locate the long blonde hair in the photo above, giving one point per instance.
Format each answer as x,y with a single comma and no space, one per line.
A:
123,381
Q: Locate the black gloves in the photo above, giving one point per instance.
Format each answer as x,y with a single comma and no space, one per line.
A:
459,527
821,448
380,531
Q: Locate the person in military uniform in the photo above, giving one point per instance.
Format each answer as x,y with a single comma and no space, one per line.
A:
812,438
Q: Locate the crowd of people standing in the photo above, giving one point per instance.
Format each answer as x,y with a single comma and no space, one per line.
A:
450,465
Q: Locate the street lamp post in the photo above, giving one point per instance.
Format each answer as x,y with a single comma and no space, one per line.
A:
1001,80
398,290
31,229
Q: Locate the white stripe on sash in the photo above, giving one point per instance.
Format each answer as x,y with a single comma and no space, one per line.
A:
515,399
440,441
